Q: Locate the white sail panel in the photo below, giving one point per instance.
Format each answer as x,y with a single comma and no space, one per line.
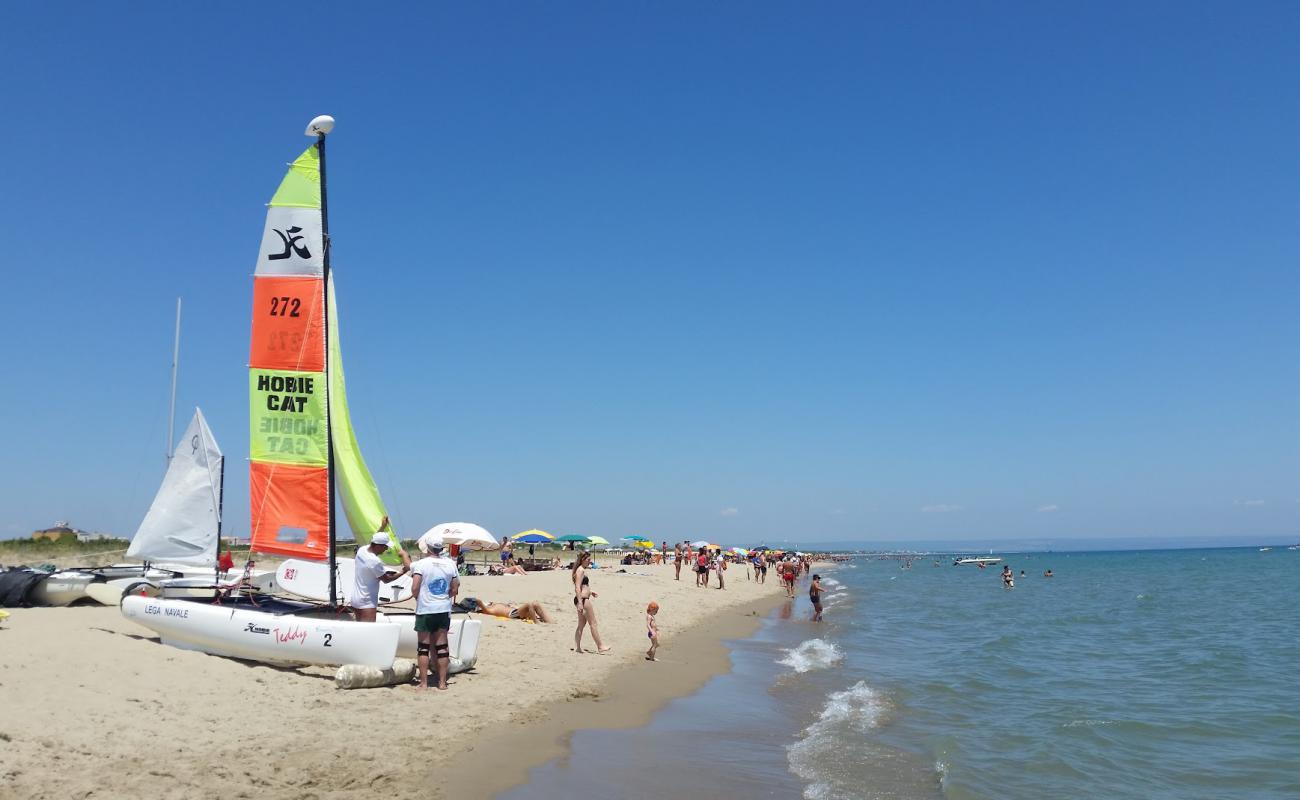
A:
184,522
292,243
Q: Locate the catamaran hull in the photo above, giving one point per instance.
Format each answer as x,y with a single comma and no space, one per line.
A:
240,632
311,579
462,639
70,586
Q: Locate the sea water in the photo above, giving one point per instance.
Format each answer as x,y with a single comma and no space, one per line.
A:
1150,674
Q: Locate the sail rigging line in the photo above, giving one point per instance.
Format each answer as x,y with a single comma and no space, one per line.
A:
176,360
388,475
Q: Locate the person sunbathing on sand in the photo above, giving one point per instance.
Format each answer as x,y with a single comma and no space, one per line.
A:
513,567
531,611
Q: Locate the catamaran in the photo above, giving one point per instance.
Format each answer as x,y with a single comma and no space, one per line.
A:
180,535
303,451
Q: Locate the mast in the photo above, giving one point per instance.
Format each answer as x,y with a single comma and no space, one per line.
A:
221,502
176,357
321,132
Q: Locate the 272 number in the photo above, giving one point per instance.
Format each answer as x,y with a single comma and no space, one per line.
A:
285,306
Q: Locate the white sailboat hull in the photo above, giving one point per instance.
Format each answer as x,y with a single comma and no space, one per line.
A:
462,639
311,579
70,586
242,632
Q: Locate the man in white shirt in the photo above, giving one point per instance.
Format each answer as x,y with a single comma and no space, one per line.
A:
435,585
369,571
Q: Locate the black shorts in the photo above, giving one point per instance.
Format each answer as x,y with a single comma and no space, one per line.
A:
432,623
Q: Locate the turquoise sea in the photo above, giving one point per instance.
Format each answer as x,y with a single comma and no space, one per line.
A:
1143,674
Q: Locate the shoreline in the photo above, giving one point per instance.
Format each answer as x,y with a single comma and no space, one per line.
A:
623,700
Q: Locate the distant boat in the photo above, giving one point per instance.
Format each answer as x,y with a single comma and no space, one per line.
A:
978,560
1266,549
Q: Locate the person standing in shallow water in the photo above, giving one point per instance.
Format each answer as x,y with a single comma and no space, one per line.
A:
582,601
815,595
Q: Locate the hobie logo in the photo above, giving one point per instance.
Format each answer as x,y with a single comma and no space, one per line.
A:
290,240
255,629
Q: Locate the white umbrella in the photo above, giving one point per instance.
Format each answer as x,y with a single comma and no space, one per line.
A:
699,544
465,534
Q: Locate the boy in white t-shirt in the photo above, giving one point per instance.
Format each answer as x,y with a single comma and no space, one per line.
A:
435,585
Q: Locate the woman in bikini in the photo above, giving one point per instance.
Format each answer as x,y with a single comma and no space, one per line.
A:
531,611
582,601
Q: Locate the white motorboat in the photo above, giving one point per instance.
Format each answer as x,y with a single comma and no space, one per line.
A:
979,560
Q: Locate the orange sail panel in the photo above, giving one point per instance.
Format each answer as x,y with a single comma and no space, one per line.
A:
289,510
288,324
288,387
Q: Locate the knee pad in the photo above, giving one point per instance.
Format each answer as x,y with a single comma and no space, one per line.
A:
441,651
422,649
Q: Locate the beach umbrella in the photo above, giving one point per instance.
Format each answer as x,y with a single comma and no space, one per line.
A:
597,540
645,543
633,539
533,537
740,551
699,544
465,534
573,537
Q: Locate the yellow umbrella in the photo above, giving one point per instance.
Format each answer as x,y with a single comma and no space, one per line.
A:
597,540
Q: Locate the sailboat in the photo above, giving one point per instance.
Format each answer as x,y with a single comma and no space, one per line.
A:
303,452
176,536
179,540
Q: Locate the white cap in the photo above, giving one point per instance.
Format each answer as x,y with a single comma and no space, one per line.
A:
431,543
381,538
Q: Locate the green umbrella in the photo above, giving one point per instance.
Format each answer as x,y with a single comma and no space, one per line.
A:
573,537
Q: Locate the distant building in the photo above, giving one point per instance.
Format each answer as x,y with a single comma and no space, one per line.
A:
64,528
60,529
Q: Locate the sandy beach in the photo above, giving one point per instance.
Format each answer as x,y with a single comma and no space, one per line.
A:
95,706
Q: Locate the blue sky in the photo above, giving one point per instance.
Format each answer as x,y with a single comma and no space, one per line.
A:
736,270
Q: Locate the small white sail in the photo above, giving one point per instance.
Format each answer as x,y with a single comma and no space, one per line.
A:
184,521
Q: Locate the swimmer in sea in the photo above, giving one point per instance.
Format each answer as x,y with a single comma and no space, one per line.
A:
1047,574
815,595
1008,579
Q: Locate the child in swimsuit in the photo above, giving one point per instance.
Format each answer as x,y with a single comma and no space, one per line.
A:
651,630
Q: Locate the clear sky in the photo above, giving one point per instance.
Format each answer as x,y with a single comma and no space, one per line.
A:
743,271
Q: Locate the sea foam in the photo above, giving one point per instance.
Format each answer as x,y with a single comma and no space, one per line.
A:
855,710
812,654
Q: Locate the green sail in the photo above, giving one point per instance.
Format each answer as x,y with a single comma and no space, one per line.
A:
361,501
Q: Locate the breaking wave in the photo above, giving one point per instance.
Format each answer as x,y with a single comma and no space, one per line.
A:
812,654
